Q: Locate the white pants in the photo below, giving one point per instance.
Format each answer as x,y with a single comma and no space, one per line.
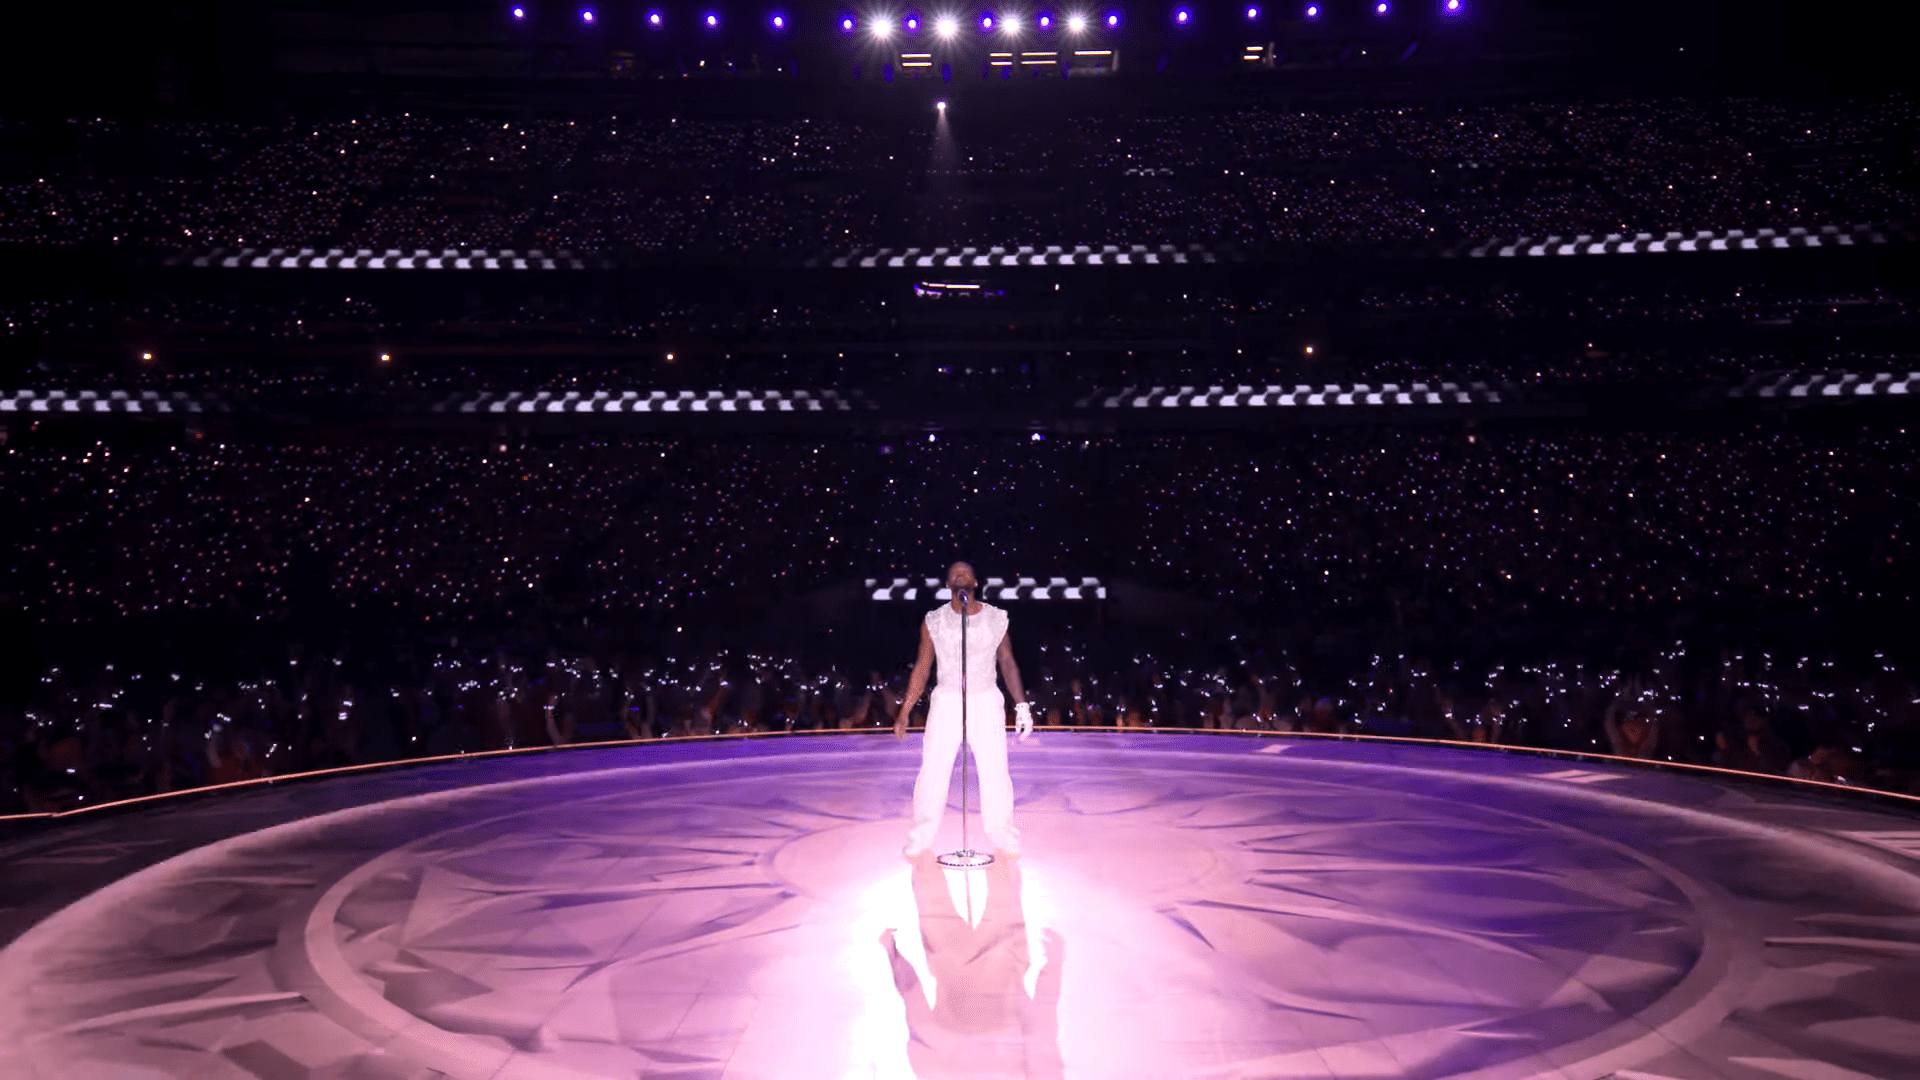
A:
987,734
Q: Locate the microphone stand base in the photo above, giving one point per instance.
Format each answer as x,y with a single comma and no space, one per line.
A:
963,859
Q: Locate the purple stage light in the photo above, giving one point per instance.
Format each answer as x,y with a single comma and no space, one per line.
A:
1313,11
653,18
986,22
586,15
713,21
846,25
1182,16
1381,8
913,24
1046,22
1113,21
1253,13
779,22
519,13
1451,7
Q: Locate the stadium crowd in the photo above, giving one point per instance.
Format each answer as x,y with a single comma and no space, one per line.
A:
322,341
1396,582
682,184
213,610
1620,521
99,735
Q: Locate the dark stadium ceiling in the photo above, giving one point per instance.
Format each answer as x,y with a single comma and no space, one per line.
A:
632,47
235,56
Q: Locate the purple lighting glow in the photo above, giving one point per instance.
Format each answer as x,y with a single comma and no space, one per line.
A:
779,22
1253,13
712,20
1046,22
913,23
1451,7
986,22
846,25
519,13
586,15
653,18
1181,16
1313,11
1381,8
1113,21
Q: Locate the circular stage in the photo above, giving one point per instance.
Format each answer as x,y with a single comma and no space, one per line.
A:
1188,906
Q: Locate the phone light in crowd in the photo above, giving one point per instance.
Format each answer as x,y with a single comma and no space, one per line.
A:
1181,16
947,26
713,21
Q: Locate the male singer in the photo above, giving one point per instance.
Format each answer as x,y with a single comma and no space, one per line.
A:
987,644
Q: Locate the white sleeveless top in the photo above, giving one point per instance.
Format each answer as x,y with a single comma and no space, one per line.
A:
984,632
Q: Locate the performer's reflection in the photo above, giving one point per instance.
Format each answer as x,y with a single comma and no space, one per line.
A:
983,1023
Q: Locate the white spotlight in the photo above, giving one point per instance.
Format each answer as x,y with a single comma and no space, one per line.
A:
947,26
1077,23
1010,24
940,105
882,29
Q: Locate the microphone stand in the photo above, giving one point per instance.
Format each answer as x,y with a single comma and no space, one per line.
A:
965,858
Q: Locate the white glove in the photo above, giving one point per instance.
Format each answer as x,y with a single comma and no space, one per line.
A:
1022,720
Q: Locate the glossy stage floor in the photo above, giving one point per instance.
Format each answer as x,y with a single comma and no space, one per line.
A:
1188,906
